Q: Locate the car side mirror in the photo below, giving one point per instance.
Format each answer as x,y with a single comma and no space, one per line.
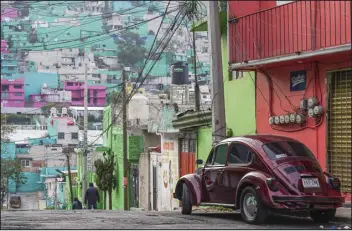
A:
199,161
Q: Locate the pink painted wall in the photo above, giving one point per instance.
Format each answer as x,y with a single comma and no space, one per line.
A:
4,48
12,97
9,13
241,8
77,91
301,26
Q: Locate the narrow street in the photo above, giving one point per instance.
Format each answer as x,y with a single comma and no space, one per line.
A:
99,219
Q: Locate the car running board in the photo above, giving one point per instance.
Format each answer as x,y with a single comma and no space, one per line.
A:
218,204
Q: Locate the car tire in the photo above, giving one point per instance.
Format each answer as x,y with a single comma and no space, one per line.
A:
322,216
254,213
186,201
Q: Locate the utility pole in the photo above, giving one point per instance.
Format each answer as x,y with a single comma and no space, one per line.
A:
196,87
218,104
69,174
124,137
85,141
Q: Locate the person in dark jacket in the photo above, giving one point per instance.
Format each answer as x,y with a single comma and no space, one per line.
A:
91,197
76,204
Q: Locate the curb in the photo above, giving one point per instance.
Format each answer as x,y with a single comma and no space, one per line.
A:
137,209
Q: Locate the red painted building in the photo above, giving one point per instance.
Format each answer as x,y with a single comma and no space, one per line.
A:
299,50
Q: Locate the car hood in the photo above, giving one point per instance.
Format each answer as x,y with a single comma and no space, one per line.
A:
291,171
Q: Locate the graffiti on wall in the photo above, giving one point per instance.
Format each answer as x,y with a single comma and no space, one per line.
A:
169,146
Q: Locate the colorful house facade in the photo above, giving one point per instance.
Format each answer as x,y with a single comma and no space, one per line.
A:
12,92
303,72
96,94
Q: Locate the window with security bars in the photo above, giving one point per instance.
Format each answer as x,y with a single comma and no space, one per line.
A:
340,126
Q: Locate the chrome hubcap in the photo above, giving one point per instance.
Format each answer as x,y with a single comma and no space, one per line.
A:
250,206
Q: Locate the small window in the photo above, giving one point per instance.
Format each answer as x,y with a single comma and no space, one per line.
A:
74,135
240,154
220,154
17,86
61,135
18,94
11,68
114,137
17,102
25,163
235,75
69,84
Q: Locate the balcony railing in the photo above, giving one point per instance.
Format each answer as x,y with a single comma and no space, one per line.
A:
300,26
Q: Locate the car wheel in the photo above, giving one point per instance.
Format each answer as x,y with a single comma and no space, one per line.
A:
252,209
322,216
186,200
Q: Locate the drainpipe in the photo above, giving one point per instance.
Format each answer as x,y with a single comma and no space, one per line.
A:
149,186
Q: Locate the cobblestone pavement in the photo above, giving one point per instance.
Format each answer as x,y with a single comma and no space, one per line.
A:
100,219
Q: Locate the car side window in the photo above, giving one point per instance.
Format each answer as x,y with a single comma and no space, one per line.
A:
220,154
210,158
240,154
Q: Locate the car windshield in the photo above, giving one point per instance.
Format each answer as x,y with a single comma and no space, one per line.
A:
281,149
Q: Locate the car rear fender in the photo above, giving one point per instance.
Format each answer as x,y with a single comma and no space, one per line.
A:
193,182
257,180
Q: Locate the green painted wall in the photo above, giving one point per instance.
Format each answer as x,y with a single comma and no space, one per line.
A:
113,140
204,143
239,97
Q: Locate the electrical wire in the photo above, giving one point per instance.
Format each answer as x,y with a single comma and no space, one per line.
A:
120,92
275,128
132,93
101,34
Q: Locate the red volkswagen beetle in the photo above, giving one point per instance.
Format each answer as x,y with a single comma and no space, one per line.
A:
258,174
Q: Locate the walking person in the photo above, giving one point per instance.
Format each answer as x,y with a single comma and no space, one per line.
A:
91,197
76,204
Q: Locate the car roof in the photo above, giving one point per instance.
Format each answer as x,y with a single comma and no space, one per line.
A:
262,138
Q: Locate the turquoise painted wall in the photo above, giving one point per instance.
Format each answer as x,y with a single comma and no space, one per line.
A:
31,185
8,151
33,81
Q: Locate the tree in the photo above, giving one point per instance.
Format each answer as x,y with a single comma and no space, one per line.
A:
131,49
10,168
106,179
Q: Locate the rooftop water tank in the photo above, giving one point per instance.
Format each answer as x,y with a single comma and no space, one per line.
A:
179,73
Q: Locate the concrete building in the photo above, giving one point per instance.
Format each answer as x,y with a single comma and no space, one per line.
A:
63,128
50,95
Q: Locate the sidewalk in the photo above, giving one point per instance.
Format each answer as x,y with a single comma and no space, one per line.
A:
343,214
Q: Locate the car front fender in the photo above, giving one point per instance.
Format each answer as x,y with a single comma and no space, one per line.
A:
257,180
194,184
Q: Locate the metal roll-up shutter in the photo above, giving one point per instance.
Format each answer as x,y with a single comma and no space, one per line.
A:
340,126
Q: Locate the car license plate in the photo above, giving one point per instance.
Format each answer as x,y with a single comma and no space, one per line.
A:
310,183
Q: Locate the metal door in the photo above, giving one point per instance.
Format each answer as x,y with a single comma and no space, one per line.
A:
339,126
154,189
134,185
187,156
